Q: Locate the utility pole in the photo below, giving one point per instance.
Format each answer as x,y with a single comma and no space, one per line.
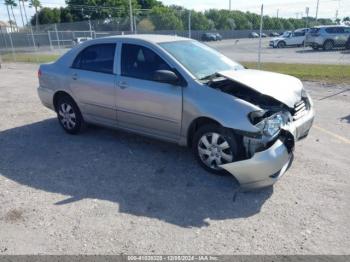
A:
278,10
131,19
261,27
318,3
189,24
229,5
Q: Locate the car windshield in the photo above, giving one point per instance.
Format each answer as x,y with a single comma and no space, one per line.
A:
286,34
201,60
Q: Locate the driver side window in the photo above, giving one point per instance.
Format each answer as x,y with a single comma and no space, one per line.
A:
141,62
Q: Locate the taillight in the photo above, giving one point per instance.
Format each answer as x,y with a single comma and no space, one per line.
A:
39,73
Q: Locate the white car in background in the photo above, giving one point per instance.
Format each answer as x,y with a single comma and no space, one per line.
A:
290,38
80,40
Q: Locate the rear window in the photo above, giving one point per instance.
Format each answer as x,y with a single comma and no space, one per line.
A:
298,33
96,58
335,30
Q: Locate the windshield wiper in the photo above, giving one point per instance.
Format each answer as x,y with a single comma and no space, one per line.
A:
210,77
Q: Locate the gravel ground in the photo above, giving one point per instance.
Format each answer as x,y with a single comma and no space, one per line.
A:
107,191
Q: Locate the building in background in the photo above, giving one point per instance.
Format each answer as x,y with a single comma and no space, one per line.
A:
5,27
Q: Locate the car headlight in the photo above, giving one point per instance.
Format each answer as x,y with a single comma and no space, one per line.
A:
271,125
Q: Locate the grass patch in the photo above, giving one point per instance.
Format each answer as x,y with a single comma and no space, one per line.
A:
30,58
313,72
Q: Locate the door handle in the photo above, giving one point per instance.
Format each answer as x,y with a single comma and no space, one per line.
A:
123,85
75,76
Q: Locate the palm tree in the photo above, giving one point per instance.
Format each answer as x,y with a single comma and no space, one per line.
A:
25,12
36,4
11,4
20,10
8,13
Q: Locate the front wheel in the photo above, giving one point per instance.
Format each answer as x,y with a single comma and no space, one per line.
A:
281,44
69,115
214,146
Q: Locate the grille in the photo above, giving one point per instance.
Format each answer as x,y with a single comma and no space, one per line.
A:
299,110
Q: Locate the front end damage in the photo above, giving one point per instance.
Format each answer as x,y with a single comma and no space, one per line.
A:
269,153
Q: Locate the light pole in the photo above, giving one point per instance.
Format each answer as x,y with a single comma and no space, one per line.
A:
318,2
131,18
261,27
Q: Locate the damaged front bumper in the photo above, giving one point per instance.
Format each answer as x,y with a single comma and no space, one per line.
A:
264,168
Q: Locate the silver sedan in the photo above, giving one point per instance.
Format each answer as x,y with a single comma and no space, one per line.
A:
236,120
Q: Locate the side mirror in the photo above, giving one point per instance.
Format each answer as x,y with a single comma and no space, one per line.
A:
166,76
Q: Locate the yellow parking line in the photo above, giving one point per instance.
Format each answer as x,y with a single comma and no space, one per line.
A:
341,138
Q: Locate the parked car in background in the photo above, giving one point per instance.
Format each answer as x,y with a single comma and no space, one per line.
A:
253,35
327,37
289,38
218,37
80,40
274,34
263,35
209,37
236,120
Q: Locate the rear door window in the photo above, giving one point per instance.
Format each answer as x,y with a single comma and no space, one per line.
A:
96,58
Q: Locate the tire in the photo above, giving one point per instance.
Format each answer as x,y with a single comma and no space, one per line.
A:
347,45
328,45
281,44
69,115
209,153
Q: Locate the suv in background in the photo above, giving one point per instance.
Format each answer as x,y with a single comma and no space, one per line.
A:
289,38
327,37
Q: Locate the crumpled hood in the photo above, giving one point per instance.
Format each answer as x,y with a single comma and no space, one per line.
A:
284,88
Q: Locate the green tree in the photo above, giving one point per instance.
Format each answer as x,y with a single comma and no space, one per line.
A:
198,20
145,25
165,18
36,4
12,4
99,9
346,20
149,4
65,15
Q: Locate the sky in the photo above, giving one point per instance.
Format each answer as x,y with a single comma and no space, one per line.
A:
286,8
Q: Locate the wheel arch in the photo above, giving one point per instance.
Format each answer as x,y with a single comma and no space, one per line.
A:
196,124
60,94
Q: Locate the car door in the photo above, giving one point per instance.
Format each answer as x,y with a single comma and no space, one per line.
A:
93,82
144,104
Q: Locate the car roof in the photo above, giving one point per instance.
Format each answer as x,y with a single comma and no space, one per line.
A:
153,38
325,26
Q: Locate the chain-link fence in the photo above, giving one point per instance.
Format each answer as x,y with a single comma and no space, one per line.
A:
45,43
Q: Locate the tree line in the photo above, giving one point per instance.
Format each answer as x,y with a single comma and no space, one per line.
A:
152,15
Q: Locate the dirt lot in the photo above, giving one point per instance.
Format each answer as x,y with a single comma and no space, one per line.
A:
111,192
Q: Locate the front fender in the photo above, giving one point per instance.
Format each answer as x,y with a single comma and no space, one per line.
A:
225,109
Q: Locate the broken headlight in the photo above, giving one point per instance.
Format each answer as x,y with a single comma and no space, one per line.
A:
271,125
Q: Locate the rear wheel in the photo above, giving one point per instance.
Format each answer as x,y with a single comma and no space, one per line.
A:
214,146
69,115
281,44
328,45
